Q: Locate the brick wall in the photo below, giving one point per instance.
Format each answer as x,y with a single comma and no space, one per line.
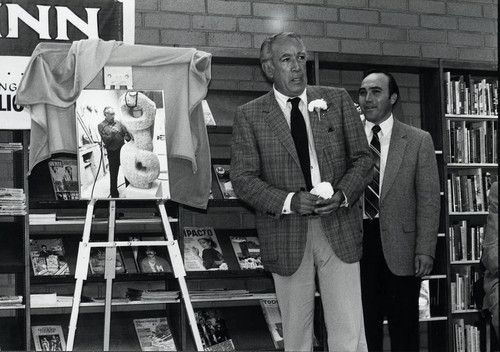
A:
452,29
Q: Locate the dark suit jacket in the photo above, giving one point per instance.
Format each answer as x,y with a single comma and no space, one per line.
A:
265,168
409,199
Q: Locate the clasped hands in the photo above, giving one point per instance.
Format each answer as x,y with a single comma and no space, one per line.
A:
305,203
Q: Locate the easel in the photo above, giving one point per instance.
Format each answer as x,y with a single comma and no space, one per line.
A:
109,270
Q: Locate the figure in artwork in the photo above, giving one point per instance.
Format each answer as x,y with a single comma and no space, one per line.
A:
140,164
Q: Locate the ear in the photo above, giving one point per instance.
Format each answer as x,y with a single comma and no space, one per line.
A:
267,67
394,98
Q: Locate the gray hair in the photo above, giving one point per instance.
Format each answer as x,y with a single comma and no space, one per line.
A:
265,49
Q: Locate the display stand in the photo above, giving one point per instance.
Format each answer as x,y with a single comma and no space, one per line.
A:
109,270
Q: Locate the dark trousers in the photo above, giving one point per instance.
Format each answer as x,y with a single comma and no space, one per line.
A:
114,167
387,295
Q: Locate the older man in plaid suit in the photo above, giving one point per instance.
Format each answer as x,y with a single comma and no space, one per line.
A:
280,152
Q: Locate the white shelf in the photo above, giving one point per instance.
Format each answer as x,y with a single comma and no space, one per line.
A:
433,277
464,262
471,165
471,117
469,213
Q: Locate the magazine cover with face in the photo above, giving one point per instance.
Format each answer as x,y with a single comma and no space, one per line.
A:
122,151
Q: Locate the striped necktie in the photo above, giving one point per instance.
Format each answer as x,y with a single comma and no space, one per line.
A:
372,192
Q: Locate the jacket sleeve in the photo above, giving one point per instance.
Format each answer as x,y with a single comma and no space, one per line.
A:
360,162
246,170
490,246
428,198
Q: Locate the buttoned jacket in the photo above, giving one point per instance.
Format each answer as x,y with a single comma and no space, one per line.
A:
409,199
265,168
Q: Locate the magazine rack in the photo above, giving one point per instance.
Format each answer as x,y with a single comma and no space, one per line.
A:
109,270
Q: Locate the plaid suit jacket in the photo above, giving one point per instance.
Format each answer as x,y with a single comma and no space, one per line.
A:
265,168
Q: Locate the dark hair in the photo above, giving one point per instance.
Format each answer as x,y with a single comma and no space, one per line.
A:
393,86
106,109
210,241
265,48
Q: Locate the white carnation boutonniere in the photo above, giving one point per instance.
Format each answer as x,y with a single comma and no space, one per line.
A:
360,112
317,105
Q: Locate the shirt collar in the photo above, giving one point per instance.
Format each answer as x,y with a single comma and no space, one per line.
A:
385,127
283,99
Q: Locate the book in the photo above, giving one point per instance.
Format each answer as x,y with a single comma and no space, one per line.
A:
154,334
202,250
47,257
222,175
48,338
247,251
98,259
272,314
213,330
64,176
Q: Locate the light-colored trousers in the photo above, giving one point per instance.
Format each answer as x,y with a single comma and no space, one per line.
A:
340,290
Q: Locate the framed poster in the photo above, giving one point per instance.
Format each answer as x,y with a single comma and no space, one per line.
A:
122,151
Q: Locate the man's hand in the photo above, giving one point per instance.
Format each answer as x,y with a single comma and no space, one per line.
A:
326,206
303,203
423,264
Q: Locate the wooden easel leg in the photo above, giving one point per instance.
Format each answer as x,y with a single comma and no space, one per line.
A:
80,274
109,273
180,273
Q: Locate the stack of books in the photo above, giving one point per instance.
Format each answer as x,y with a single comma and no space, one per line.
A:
12,201
10,147
153,295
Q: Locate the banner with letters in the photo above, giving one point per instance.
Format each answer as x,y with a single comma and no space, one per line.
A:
26,23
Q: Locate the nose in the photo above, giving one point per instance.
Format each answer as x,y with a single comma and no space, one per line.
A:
295,65
368,96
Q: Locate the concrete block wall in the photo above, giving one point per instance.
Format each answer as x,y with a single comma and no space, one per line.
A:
464,30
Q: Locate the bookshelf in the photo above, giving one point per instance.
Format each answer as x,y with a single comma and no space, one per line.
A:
469,110
14,235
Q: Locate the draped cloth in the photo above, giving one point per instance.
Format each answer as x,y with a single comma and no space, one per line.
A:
57,73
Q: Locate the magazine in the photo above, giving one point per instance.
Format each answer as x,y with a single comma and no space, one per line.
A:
47,257
222,175
213,330
202,250
272,315
152,259
154,334
247,251
64,175
48,338
122,151
98,259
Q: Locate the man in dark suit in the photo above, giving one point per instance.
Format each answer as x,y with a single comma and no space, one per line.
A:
280,151
402,209
113,134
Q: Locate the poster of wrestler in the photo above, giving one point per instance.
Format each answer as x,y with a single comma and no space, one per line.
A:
122,151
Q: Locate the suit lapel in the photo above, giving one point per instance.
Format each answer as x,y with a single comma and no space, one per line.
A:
316,124
395,155
274,117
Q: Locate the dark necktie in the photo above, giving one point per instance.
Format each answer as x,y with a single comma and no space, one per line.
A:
299,134
372,192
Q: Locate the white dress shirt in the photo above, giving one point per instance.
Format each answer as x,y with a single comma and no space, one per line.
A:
286,107
385,138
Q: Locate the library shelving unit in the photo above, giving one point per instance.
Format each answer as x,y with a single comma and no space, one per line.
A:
14,235
470,134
